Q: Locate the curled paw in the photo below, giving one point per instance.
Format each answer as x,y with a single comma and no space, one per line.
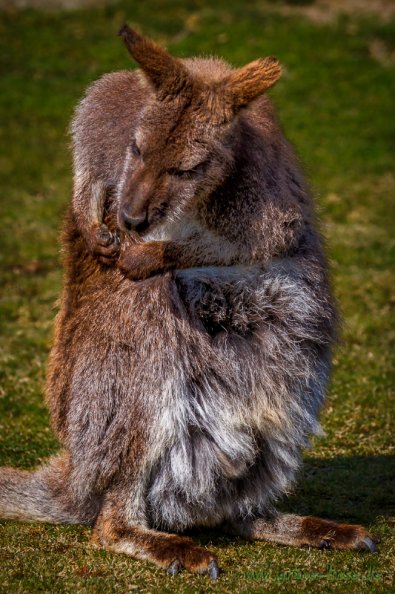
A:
220,306
105,245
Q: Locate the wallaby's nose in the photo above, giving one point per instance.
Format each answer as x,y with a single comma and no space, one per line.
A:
136,223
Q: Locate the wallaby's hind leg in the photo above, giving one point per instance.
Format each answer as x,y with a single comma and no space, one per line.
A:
307,531
171,552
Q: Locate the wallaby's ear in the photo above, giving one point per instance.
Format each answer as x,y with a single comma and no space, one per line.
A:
247,83
167,73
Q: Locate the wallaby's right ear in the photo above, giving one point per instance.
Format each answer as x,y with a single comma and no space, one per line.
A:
249,82
166,73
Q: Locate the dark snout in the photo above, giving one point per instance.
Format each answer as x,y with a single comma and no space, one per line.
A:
133,222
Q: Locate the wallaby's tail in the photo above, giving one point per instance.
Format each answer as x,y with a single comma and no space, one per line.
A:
42,495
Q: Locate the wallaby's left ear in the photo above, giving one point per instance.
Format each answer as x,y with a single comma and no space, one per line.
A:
247,83
167,74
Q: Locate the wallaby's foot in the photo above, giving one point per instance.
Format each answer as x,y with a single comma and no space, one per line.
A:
325,534
104,244
308,531
169,551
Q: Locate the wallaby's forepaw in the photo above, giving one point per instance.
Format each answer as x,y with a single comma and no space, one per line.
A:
324,534
218,306
138,261
206,301
104,245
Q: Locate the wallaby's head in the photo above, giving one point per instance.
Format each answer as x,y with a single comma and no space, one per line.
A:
182,147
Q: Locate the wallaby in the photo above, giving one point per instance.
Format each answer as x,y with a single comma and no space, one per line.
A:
191,357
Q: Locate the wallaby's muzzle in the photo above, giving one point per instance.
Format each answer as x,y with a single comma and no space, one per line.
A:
138,223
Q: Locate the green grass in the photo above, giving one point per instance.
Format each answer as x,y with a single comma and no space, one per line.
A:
336,103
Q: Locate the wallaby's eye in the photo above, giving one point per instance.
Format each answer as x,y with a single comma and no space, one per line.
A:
201,168
135,149
182,173
190,173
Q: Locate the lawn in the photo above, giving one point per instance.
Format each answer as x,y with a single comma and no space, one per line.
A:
336,104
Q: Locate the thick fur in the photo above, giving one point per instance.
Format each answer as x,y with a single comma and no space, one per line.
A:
186,377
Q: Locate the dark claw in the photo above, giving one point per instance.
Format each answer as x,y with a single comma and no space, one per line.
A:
367,544
213,570
104,235
106,238
174,568
376,538
324,544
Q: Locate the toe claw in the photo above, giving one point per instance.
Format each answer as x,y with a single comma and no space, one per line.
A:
324,544
107,239
213,570
174,568
367,544
104,235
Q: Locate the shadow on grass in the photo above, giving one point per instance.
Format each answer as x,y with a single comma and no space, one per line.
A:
345,488
354,489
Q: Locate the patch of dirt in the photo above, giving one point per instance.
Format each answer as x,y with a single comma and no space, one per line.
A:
382,52
326,11
31,267
53,4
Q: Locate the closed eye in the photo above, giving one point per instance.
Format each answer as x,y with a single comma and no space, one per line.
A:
135,149
189,173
